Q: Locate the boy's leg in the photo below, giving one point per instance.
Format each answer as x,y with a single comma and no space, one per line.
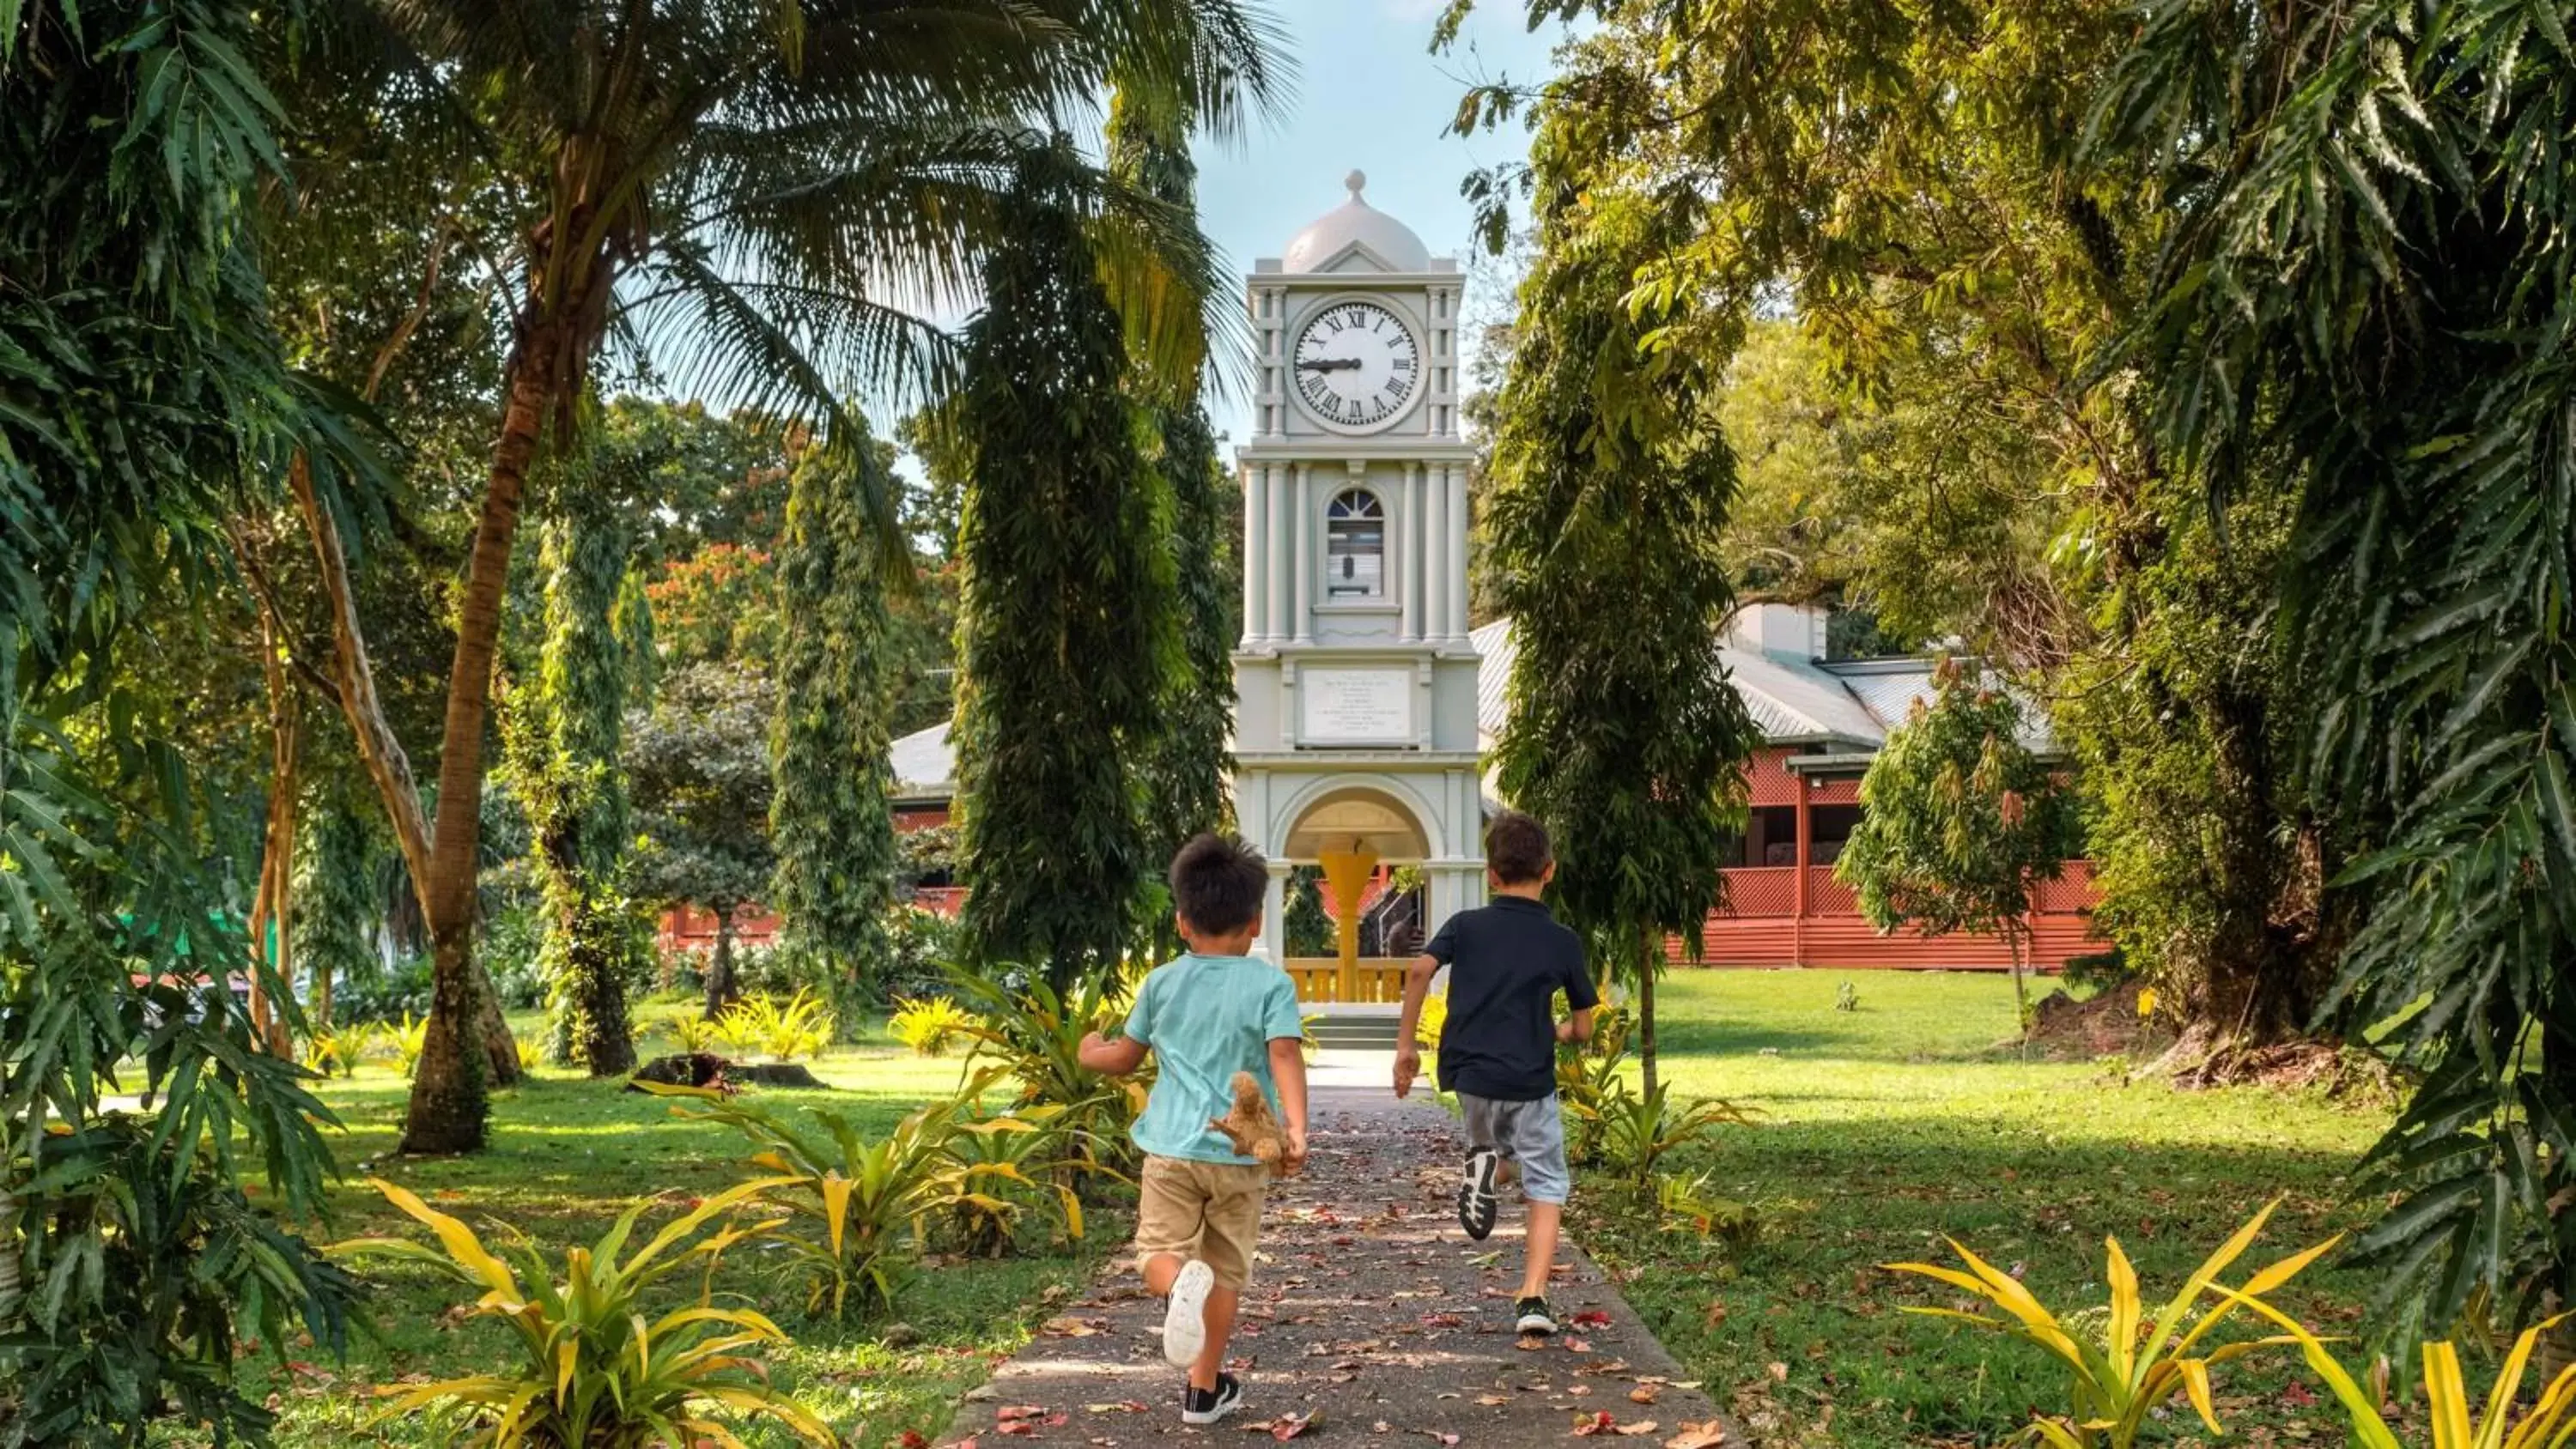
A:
1226,1245
1536,1131
1479,1198
1171,1216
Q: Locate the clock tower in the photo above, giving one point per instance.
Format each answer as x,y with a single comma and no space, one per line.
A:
1355,722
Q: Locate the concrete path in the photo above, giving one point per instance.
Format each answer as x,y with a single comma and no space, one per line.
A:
1371,1320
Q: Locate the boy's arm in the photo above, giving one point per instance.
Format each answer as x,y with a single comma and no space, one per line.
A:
1408,1043
1578,1027
1288,1069
1115,1058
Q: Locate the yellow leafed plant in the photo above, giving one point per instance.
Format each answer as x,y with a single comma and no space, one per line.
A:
590,1368
2551,1421
2118,1379
931,1025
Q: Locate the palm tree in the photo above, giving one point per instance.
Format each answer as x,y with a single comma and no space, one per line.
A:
760,199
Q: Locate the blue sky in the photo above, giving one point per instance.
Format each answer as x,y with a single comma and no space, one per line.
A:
1369,95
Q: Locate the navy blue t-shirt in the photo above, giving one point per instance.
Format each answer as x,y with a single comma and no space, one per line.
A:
1506,963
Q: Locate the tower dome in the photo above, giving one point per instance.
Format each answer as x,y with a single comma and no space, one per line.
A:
1355,221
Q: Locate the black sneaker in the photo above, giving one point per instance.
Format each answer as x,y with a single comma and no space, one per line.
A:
1206,1406
1534,1317
1478,1202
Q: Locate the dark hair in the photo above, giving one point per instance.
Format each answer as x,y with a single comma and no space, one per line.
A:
1516,848
1218,883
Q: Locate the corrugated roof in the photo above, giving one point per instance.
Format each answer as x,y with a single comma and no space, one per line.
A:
925,766
1890,692
1493,674
1789,700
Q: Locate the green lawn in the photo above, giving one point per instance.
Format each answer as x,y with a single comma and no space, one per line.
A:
567,1156
1884,1130
1881,1130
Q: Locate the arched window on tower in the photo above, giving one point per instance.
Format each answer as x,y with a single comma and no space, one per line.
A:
1355,546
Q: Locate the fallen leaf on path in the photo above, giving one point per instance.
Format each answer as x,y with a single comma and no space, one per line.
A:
1591,1318
1447,1441
1578,1345
1491,1400
915,1439
1010,1413
1069,1327
1381,1427
1443,1320
1123,1406
1604,1367
1698,1436
1598,1423
1641,1427
1779,1373
966,1443
1578,1390
1286,1426
1531,1343
1641,1396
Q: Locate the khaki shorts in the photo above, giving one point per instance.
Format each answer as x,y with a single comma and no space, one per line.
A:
1210,1211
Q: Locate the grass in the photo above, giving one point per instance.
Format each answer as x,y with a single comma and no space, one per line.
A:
567,1156
1884,1130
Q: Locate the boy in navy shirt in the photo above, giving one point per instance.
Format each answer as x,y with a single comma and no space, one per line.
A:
1507,960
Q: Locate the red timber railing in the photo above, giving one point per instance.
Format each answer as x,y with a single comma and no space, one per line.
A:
1769,921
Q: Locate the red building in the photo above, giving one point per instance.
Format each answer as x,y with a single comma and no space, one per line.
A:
1822,721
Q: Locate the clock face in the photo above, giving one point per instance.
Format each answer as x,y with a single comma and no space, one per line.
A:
1357,365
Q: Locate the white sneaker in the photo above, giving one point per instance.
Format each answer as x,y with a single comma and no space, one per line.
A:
1185,1314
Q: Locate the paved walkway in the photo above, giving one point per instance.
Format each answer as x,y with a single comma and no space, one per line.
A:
1371,1320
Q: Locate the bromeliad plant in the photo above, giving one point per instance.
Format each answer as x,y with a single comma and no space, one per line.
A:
2118,1379
856,1207
2550,1423
591,1369
931,1025
1035,1036
800,1027
1006,1162
1637,1130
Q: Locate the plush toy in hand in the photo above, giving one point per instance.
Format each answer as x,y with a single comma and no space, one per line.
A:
1251,1128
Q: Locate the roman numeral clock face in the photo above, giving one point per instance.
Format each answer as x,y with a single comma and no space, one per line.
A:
1357,365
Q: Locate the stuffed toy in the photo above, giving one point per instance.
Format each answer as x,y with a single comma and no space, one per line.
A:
1251,1128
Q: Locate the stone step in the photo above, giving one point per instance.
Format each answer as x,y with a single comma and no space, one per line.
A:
1375,1033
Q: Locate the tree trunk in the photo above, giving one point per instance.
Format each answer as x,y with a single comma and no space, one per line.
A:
720,989
447,1099
2021,984
1647,965
269,905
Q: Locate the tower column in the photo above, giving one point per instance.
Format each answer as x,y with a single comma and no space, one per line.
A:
1301,572
1435,557
1256,552
1274,577
1456,540
1408,557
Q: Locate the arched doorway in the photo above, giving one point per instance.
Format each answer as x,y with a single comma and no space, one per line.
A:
1353,832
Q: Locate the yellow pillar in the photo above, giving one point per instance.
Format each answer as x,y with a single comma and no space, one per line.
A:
1346,875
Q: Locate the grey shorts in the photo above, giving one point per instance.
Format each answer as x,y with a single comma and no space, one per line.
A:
1529,1135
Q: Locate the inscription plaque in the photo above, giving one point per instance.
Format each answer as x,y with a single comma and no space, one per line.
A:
1355,706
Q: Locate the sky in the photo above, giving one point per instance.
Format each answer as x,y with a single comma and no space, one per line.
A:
1369,96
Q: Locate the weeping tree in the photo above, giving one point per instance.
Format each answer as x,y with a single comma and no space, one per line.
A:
829,822
1609,496
1183,769
1960,821
2363,305
639,654
565,736
1065,630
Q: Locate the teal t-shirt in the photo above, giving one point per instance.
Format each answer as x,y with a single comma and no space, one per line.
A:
1207,1018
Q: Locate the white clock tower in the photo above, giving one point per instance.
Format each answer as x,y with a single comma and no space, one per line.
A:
1355,727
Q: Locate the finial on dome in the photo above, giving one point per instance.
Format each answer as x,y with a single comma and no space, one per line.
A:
1355,181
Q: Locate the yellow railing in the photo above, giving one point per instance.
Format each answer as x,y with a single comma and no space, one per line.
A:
1376,979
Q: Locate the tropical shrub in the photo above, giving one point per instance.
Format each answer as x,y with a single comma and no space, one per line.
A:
590,1369
2116,1379
925,946
330,1051
1035,1036
1435,1017
176,1266
692,1034
1009,1164
1634,1131
2551,1420
931,1025
802,1027
409,1039
855,1207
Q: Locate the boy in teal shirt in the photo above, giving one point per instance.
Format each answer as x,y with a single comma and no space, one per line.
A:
1205,1016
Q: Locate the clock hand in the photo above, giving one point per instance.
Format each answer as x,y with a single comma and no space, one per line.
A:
1329,364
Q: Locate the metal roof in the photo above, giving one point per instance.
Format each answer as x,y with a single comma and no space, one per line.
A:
925,765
